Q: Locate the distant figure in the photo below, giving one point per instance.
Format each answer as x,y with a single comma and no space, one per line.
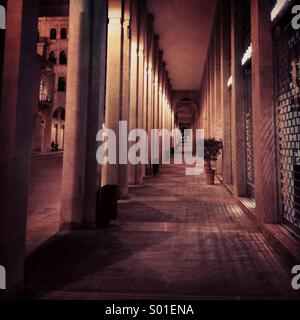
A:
54,146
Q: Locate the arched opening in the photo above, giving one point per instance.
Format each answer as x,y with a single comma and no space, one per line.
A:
53,34
185,119
58,127
52,57
63,34
62,58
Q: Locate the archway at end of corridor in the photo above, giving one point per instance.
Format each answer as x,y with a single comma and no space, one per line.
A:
186,108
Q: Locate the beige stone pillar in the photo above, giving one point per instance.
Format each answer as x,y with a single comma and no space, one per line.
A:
133,98
266,197
146,80
160,89
160,101
113,107
95,113
18,94
156,92
149,116
156,82
212,111
218,120
73,177
164,84
225,93
209,101
139,170
123,168
238,123
217,72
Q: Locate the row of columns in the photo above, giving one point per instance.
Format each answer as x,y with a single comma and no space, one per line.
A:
116,73
137,90
222,102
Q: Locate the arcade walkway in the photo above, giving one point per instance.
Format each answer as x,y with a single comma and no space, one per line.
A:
175,238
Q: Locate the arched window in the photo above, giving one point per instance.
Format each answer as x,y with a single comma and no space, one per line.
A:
52,57
61,84
53,34
63,33
63,58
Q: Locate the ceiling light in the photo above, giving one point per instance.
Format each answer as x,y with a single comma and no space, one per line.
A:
247,55
280,5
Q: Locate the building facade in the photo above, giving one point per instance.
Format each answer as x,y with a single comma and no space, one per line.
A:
53,46
253,101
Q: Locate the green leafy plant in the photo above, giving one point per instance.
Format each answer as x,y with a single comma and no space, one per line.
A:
212,150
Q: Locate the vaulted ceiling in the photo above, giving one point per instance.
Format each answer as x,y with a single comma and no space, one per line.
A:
54,8
184,28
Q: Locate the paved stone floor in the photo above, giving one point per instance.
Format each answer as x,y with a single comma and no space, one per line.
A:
176,238
44,199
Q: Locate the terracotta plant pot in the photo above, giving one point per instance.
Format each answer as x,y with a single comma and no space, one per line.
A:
210,177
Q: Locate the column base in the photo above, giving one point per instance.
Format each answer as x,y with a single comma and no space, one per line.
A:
139,174
108,209
149,170
155,169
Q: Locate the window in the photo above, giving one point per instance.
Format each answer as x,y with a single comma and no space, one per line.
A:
62,84
53,34
63,58
52,57
63,33
42,91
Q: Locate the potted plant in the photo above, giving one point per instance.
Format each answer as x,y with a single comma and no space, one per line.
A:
212,151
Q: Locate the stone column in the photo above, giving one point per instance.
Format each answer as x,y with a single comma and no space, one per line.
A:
156,82
225,93
150,91
139,172
156,93
95,113
73,177
113,107
160,101
212,113
266,196
133,98
238,123
160,89
209,102
163,110
146,79
123,168
217,72
18,95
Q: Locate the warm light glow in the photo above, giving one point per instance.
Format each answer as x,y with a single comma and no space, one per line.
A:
229,83
247,55
280,5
